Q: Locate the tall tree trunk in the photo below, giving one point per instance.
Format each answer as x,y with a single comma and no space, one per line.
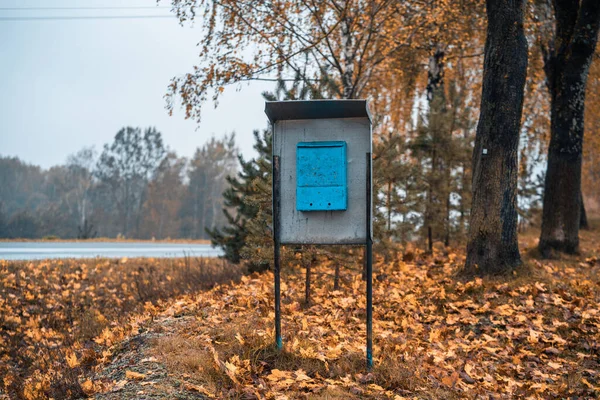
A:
464,190
429,211
347,59
566,67
389,205
583,221
436,98
448,206
127,211
196,199
492,246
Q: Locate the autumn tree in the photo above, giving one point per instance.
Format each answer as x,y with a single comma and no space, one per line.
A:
241,201
436,80
343,44
124,169
567,58
492,244
20,184
160,213
396,185
80,170
207,173
353,48
591,152
3,221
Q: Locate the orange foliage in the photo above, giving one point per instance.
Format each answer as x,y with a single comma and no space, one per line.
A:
59,318
535,336
591,148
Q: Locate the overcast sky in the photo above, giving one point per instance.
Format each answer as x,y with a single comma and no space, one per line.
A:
66,84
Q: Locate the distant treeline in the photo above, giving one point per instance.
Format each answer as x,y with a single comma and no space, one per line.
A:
134,188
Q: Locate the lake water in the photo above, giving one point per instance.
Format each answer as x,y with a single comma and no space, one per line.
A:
44,250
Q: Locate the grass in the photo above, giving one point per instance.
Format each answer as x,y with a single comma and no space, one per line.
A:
57,317
65,326
533,334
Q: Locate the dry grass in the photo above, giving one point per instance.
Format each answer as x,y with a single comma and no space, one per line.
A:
56,316
534,334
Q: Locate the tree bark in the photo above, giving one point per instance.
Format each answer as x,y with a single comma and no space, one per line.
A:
436,97
566,67
492,245
583,221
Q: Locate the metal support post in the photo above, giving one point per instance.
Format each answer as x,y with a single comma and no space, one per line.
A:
276,245
369,262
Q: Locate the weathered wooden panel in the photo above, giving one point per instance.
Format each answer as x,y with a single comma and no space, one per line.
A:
324,227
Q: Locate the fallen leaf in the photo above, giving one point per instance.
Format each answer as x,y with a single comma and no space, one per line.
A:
134,375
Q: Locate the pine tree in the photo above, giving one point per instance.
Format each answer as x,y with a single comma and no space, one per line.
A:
240,199
441,148
248,234
395,185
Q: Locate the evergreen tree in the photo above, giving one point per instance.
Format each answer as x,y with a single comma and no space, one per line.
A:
442,149
248,201
240,197
3,222
433,139
396,188
207,173
258,246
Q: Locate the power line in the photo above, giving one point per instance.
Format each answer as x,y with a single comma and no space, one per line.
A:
82,8
86,17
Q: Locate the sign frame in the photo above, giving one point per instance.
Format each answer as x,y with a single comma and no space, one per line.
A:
337,113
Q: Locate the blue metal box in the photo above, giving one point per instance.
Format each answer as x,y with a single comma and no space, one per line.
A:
321,176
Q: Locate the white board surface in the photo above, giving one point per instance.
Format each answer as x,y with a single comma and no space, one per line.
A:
324,227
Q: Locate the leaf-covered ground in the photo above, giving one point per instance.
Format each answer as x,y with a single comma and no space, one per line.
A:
59,318
533,335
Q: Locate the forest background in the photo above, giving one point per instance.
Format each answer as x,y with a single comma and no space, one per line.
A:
422,76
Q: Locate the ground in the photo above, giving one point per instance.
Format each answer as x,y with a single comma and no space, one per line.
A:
535,334
60,318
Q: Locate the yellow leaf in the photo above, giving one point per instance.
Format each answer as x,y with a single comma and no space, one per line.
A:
447,381
134,375
239,338
468,368
72,360
301,376
199,389
277,375
88,386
